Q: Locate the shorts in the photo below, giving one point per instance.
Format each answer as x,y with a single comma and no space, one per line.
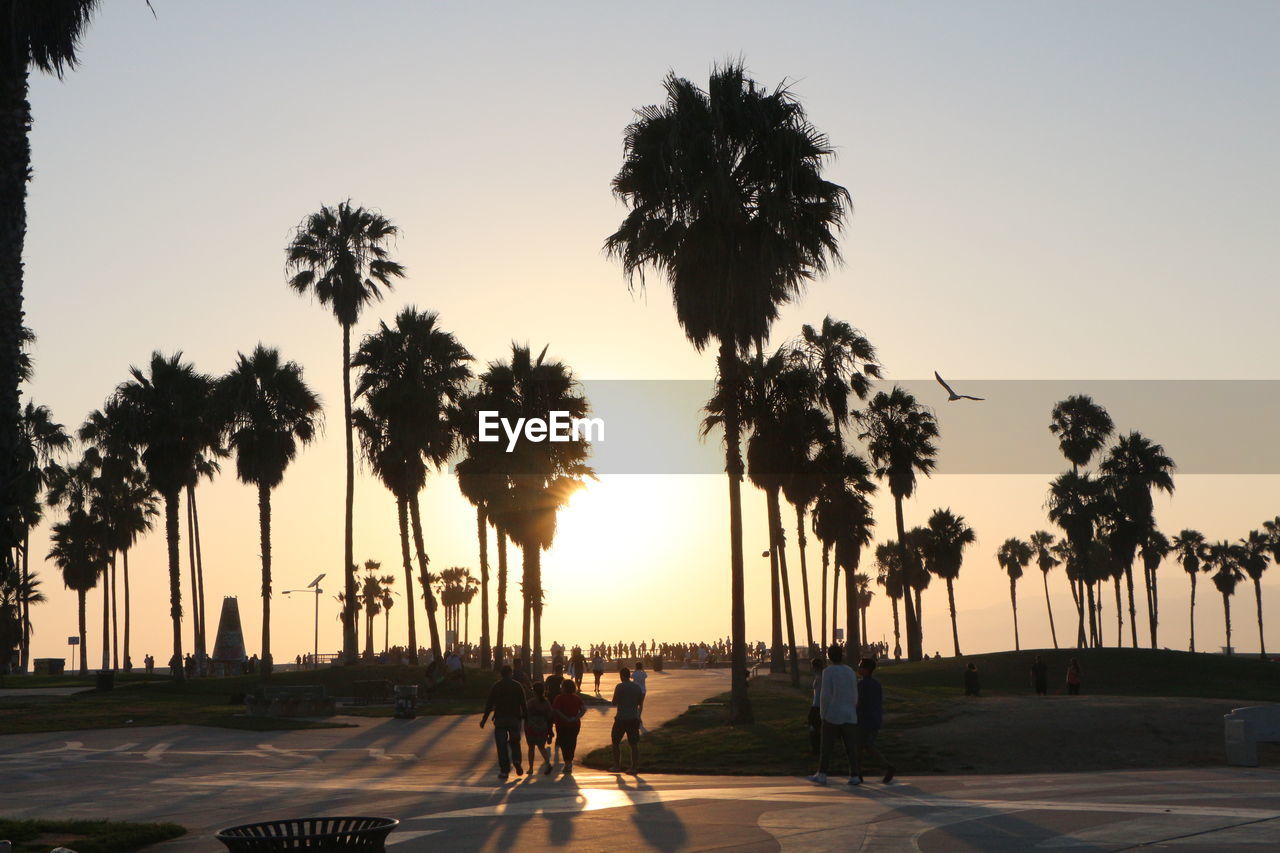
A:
630,728
536,737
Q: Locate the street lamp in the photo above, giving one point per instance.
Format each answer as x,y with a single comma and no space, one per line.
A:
315,584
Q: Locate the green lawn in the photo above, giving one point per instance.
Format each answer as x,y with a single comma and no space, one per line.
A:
922,694
85,836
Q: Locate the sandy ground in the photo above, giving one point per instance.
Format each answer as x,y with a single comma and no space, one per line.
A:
1050,734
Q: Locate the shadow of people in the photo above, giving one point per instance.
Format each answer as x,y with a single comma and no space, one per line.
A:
658,825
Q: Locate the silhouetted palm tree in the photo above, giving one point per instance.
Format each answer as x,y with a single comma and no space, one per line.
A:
915,575
339,255
43,35
206,468
1190,547
1042,543
948,536
889,575
1254,557
727,201
843,523
373,592
163,413
1082,428
900,437
1272,529
42,440
1225,559
482,483
1153,548
1014,556
1077,504
269,411
80,552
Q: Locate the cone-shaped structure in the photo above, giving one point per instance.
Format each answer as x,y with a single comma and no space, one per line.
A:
228,648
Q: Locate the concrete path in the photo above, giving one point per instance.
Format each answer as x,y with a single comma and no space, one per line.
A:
437,775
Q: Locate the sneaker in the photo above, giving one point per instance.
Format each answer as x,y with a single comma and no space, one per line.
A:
519,769
615,769
888,776
503,774
818,778
855,780
546,768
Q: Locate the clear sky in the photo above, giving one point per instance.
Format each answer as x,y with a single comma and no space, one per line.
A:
1042,191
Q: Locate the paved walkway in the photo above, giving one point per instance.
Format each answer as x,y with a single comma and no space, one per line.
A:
437,776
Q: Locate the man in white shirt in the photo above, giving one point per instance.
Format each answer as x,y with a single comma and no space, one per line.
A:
838,705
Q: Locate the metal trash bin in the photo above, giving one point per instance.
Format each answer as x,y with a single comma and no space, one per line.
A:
105,680
317,834
406,701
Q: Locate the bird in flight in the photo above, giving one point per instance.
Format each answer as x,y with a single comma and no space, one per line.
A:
952,395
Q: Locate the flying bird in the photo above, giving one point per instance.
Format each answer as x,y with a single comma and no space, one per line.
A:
952,395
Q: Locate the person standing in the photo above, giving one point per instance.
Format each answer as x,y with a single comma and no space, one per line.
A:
1040,677
972,685
567,710
838,705
506,703
628,697
537,727
597,668
578,667
815,715
1073,678
871,716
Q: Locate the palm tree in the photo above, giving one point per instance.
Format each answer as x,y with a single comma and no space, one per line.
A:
1042,543
1076,503
1272,529
483,485
843,523
889,575
163,414
916,576
206,468
268,410
43,35
1153,548
948,536
1254,557
1082,428
412,378
42,440
845,364
1014,556
374,591
1132,468
900,437
1192,555
80,553
1225,559
339,255
727,201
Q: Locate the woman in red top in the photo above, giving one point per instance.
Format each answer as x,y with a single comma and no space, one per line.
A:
568,710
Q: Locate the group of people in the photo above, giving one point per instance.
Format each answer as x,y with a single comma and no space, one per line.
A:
850,708
1039,678
549,714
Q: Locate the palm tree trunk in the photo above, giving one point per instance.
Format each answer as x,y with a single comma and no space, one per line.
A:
1155,605
1257,594
835,601
500,650
84,635
526,595
853,646
1048,606
1148,578
897,636
402,516
914,640
264,538
863,610
535,597
804,577
777,662
115,617
739,701
1120,618
1013,598
128,660
951,603
1193,611
25,659
175,580
780,550
1133,611
1226,611
204,616
191,560
482,533
106,616
826,556
1093,615
1078,598
348,551
427,593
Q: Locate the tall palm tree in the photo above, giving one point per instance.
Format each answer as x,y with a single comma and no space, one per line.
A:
339,255
1042,543
900,437
1132,468
43,35
412,378
268,411
1255,556
1153,548
1225,559
482,484
1076,503
79,551
845,363
42,441
727,201
890,576
1082,427
843,522
1191,549
206,468
163,413
948,536
373,592
1014,556
916,576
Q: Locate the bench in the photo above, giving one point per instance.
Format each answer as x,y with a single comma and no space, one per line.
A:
297,700
1245,728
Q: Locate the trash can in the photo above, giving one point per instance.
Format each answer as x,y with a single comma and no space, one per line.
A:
657,664
318,834
406,701
105,681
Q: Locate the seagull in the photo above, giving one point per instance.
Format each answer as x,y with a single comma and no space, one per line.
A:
952,396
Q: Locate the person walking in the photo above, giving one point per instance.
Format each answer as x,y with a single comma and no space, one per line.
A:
1040,677
838,705
815,715
506,703
577,667
537,727
1073,678
567,710
871,717
972,685
628,697
597,668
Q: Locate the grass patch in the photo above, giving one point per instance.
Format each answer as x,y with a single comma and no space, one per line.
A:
85,836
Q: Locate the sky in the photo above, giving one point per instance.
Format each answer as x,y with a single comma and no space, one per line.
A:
1052,191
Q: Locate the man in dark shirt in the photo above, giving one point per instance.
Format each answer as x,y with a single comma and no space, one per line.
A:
1040,677
871,716
506,703
628,698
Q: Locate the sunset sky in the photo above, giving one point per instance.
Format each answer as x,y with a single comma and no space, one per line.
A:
1052,191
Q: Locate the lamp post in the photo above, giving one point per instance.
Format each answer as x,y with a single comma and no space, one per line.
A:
315,584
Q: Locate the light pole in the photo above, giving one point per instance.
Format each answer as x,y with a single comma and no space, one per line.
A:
315,584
